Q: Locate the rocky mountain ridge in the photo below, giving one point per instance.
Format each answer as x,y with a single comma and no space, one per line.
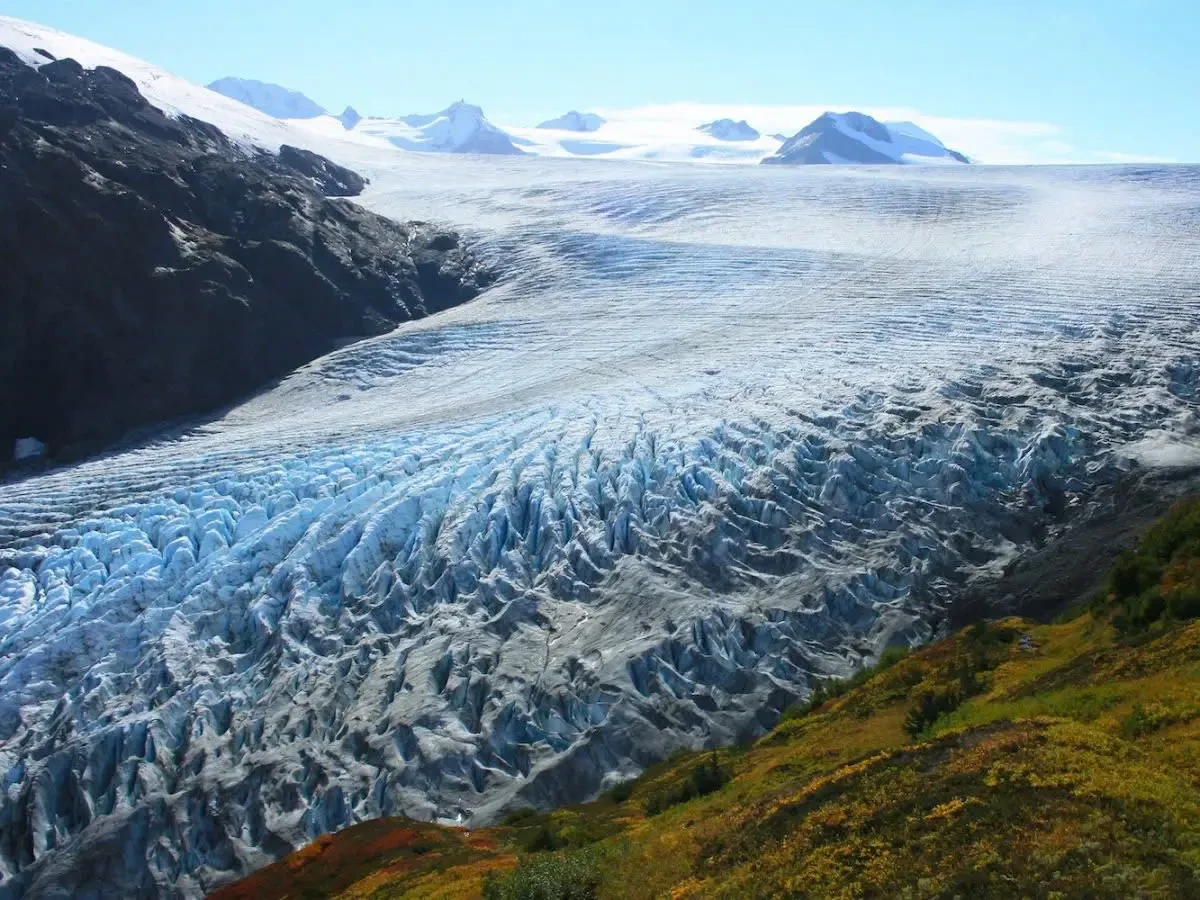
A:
159,270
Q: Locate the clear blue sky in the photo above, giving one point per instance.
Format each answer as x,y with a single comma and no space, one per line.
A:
1091,66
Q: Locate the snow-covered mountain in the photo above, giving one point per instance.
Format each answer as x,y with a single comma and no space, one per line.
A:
729,130
177,96
459,128
632,135
574,121
272,99
660,135
856,138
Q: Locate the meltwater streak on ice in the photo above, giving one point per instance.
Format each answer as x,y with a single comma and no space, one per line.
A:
716,431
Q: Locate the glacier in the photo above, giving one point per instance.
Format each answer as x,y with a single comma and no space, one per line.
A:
718,432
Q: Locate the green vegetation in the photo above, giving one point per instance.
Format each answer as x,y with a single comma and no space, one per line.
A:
621,792
566,876
1160,578
826,689
705,777
1013,759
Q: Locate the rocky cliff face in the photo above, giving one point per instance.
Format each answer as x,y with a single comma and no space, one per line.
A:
154,269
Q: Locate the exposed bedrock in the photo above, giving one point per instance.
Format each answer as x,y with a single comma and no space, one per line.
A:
152,269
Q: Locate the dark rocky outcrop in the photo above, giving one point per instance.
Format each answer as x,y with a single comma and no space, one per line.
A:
153,269
327,177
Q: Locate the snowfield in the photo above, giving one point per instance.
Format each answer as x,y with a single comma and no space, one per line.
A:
717,431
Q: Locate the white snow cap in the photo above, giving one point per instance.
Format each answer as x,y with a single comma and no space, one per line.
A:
178,96
729,130
574,121
271,99
459,128
857,138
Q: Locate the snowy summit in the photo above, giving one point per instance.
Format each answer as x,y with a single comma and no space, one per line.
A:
271,99
856,138
574,121
729,130
459,128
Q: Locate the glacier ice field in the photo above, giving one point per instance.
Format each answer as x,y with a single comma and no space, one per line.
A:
718,431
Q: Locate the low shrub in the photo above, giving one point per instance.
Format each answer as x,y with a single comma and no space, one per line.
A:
933,704
543,839
560,876
518,816
621,792
707,776
825,689
1143,720
930,706
1160,578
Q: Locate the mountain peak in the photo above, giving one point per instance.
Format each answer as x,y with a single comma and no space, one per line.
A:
574,121
272,99
459,128
462,107
859,139
729,130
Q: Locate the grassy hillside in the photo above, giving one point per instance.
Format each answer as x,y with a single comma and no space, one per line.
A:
1014,759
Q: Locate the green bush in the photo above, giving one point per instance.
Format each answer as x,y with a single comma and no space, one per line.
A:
889,658
621,792
543,839
932,705
1184,604
1142,720
928,708
1160,578
825,689
707,776
517,816
560,876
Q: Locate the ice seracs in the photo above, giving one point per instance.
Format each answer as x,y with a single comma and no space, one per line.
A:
459,128
856,138
729,130
271,99
574,121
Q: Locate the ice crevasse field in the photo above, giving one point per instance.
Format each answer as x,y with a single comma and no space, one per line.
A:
716,431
